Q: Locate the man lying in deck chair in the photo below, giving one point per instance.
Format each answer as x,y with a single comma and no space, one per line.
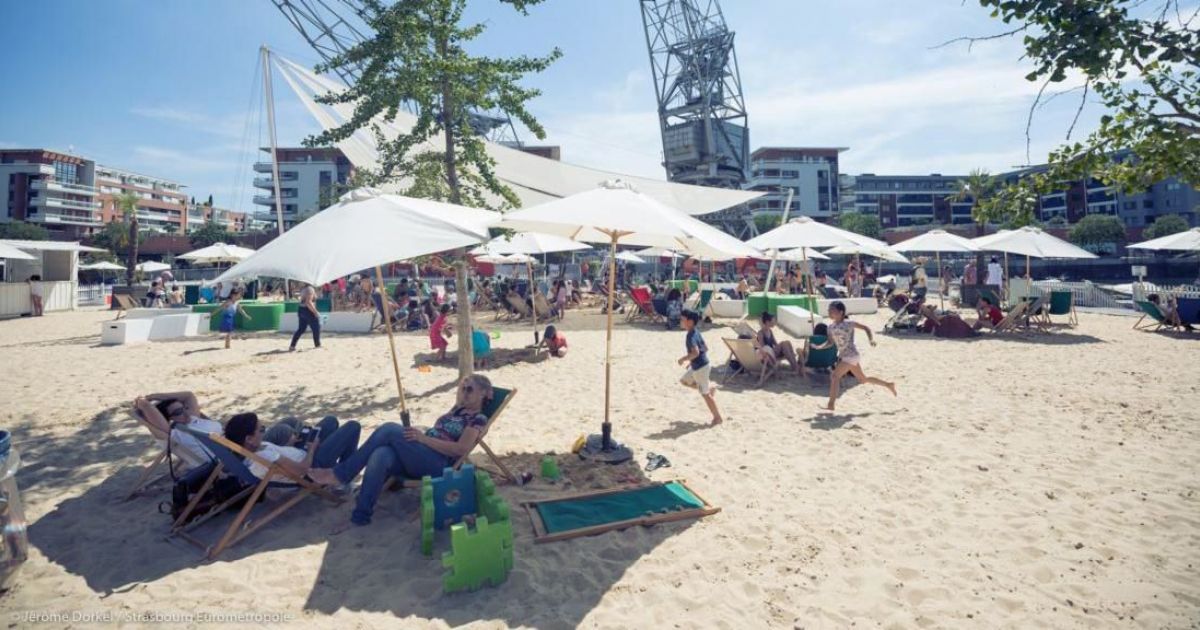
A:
409,453
246,459
159,413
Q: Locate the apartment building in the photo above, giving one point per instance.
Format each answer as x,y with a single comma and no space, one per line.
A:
53,189
309,181
810,172
161,204
909,200
200,214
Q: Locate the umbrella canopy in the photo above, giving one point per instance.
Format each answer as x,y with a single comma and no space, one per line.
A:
151,267
1181,241
1030,241
805,232
529,243
521,259
630,257
802,253
495,259
936,241
218,253
885,253
103,266
658,252
366,228
12,253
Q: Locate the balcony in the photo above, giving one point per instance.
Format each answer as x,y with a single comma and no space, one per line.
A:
62,187
264,200
143,215
66,219
69,204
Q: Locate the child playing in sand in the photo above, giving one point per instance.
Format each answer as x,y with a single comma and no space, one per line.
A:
697,362
842,333
554,341
440,331
229,311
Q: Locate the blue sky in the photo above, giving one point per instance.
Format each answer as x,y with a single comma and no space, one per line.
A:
168,88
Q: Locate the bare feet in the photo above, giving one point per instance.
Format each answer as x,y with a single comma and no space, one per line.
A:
716,421
828,407
892,388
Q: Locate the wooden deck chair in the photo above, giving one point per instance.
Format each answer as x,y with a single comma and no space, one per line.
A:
500,399
744,330
184,459
749,363
1037,311
1157,320
1063,303
706,296
544,312
821,358
125,303
1012,318
645,305
231,461
519,306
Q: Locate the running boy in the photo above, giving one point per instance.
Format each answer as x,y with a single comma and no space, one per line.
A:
698,366
229,311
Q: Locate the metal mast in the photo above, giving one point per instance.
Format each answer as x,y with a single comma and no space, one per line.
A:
705,133
332,27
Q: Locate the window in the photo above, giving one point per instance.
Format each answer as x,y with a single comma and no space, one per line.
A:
66,173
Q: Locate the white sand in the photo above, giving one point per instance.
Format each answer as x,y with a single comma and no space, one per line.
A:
1028,481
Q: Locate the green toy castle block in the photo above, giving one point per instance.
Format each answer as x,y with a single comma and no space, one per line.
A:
427,513
479,557
453,496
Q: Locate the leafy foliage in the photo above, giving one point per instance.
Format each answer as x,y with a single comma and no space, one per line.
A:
20,230
1142,60
209,233
767,222
859,223
1098,229
1166,225
127,203
115,237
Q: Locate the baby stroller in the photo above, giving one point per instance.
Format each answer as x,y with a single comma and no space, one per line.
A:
906,312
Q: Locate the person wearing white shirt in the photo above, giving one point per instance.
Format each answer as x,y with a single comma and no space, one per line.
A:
332,445
995,274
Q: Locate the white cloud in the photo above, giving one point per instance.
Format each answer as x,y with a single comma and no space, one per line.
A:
229,126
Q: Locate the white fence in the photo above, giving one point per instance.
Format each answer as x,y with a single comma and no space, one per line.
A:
93,294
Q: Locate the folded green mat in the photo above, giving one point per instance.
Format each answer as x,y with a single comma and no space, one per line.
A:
589,511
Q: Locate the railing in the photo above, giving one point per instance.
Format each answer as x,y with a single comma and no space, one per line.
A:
55,202
93,294
66,218
51,184
1143,289
1084,293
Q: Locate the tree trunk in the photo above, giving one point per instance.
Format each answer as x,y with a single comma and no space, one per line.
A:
133,248
466,348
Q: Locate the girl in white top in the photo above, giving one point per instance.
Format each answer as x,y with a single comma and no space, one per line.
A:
841,331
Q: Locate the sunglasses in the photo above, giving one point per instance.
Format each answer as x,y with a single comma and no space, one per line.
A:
468,388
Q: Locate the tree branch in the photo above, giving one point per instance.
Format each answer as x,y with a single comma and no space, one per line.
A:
971,41
1082,102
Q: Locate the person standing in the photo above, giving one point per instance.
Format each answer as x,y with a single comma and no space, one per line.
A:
947,277
995,275
698,366
920,280
309,317
440,331
228,312
35,295
969,275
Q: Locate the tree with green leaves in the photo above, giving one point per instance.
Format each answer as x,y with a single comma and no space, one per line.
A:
767,222
860,223
20,230
1166,225
127,203
209,233
419,56
1140,59
1098,229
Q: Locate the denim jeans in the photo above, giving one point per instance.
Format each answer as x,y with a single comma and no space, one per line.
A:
386,454
338,443
307,320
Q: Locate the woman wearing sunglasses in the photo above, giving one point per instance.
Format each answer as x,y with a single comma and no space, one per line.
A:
166,409
409,453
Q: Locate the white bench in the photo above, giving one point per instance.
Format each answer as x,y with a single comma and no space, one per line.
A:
854,306
796,321
125,331
339,322
178,326
148,313
728,309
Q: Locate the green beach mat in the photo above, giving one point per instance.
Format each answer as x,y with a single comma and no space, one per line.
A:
591,513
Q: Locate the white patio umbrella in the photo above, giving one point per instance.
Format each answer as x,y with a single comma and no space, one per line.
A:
1188,241
801,254
12,253
657,253
806,234
151,266
1030,242
630,257
882,253
218,253
615,213
936,242
366,229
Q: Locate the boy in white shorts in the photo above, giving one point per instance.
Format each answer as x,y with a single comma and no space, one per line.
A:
698,365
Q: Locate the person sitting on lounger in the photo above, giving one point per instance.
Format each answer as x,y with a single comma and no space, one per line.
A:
394,450
332,445
1168,307
990,315
770,350
674,308
164,411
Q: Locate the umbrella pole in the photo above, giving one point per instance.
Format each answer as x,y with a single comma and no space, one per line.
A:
533,301
606,427
1004,279
1028,274
812,317
941,289
387,322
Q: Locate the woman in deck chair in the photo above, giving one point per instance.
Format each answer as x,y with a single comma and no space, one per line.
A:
408,452
771,351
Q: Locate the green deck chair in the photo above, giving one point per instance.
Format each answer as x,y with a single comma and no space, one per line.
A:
822,357
1150,309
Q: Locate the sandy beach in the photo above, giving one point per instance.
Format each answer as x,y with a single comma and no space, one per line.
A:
1030,480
